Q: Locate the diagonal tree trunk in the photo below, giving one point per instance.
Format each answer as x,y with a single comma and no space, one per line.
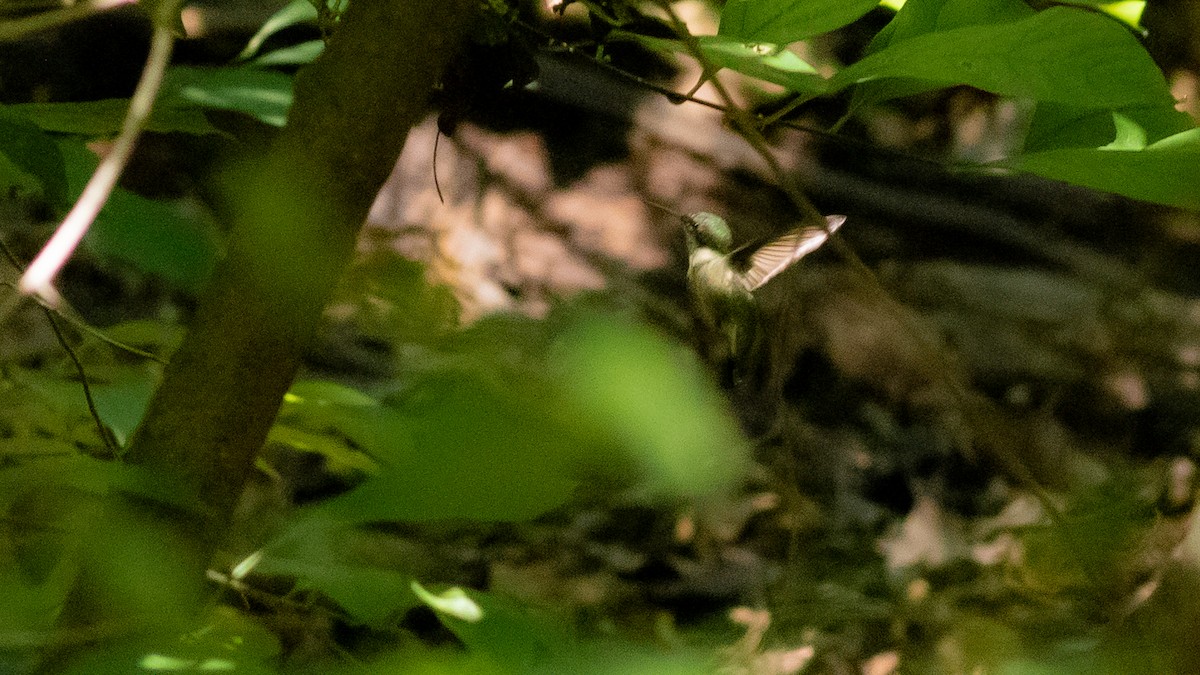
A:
297,217
297,220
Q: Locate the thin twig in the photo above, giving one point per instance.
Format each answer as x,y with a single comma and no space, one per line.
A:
39,277
105,435
85,327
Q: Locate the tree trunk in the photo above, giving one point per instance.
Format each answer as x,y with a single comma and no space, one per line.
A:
298,213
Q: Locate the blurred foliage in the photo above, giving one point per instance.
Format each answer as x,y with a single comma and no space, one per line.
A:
515,418
1060,58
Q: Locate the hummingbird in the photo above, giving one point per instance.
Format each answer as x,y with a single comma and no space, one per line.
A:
722,281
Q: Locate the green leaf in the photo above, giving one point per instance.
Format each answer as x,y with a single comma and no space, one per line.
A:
341,459
318,552
783,22
922,17
629,387
162,238
760,60
1166,172
223,640
158,337
31,165
516,639
1061,55
507,634
296,55
263,94
104,118
763,61
322,393
452,602
295,12
1056,126
458,445
121,398
1128,12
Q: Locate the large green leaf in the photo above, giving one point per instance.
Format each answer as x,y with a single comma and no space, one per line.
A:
506,632
1062,55
632,389
223,640
459,445
1167,172
783,22
120,394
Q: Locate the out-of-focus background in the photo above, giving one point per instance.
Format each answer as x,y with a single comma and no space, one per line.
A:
980,458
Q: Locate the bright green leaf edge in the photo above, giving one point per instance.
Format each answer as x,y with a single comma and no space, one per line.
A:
1167,172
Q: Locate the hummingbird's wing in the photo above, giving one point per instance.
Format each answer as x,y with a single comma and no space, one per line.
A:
777,255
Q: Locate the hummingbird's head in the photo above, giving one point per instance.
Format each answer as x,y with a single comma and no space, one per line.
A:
710,230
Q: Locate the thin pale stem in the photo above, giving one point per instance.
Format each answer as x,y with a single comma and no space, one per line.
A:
38,279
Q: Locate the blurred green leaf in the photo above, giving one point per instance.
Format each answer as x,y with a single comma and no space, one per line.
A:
516,639
295,12
783,22
509,634
457,445
341,459
630,386
47,505
121,398
104,118
158,337
222,640
1061,54
262,94
323,393
31,165
394,302
453,602
296,55
318,552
